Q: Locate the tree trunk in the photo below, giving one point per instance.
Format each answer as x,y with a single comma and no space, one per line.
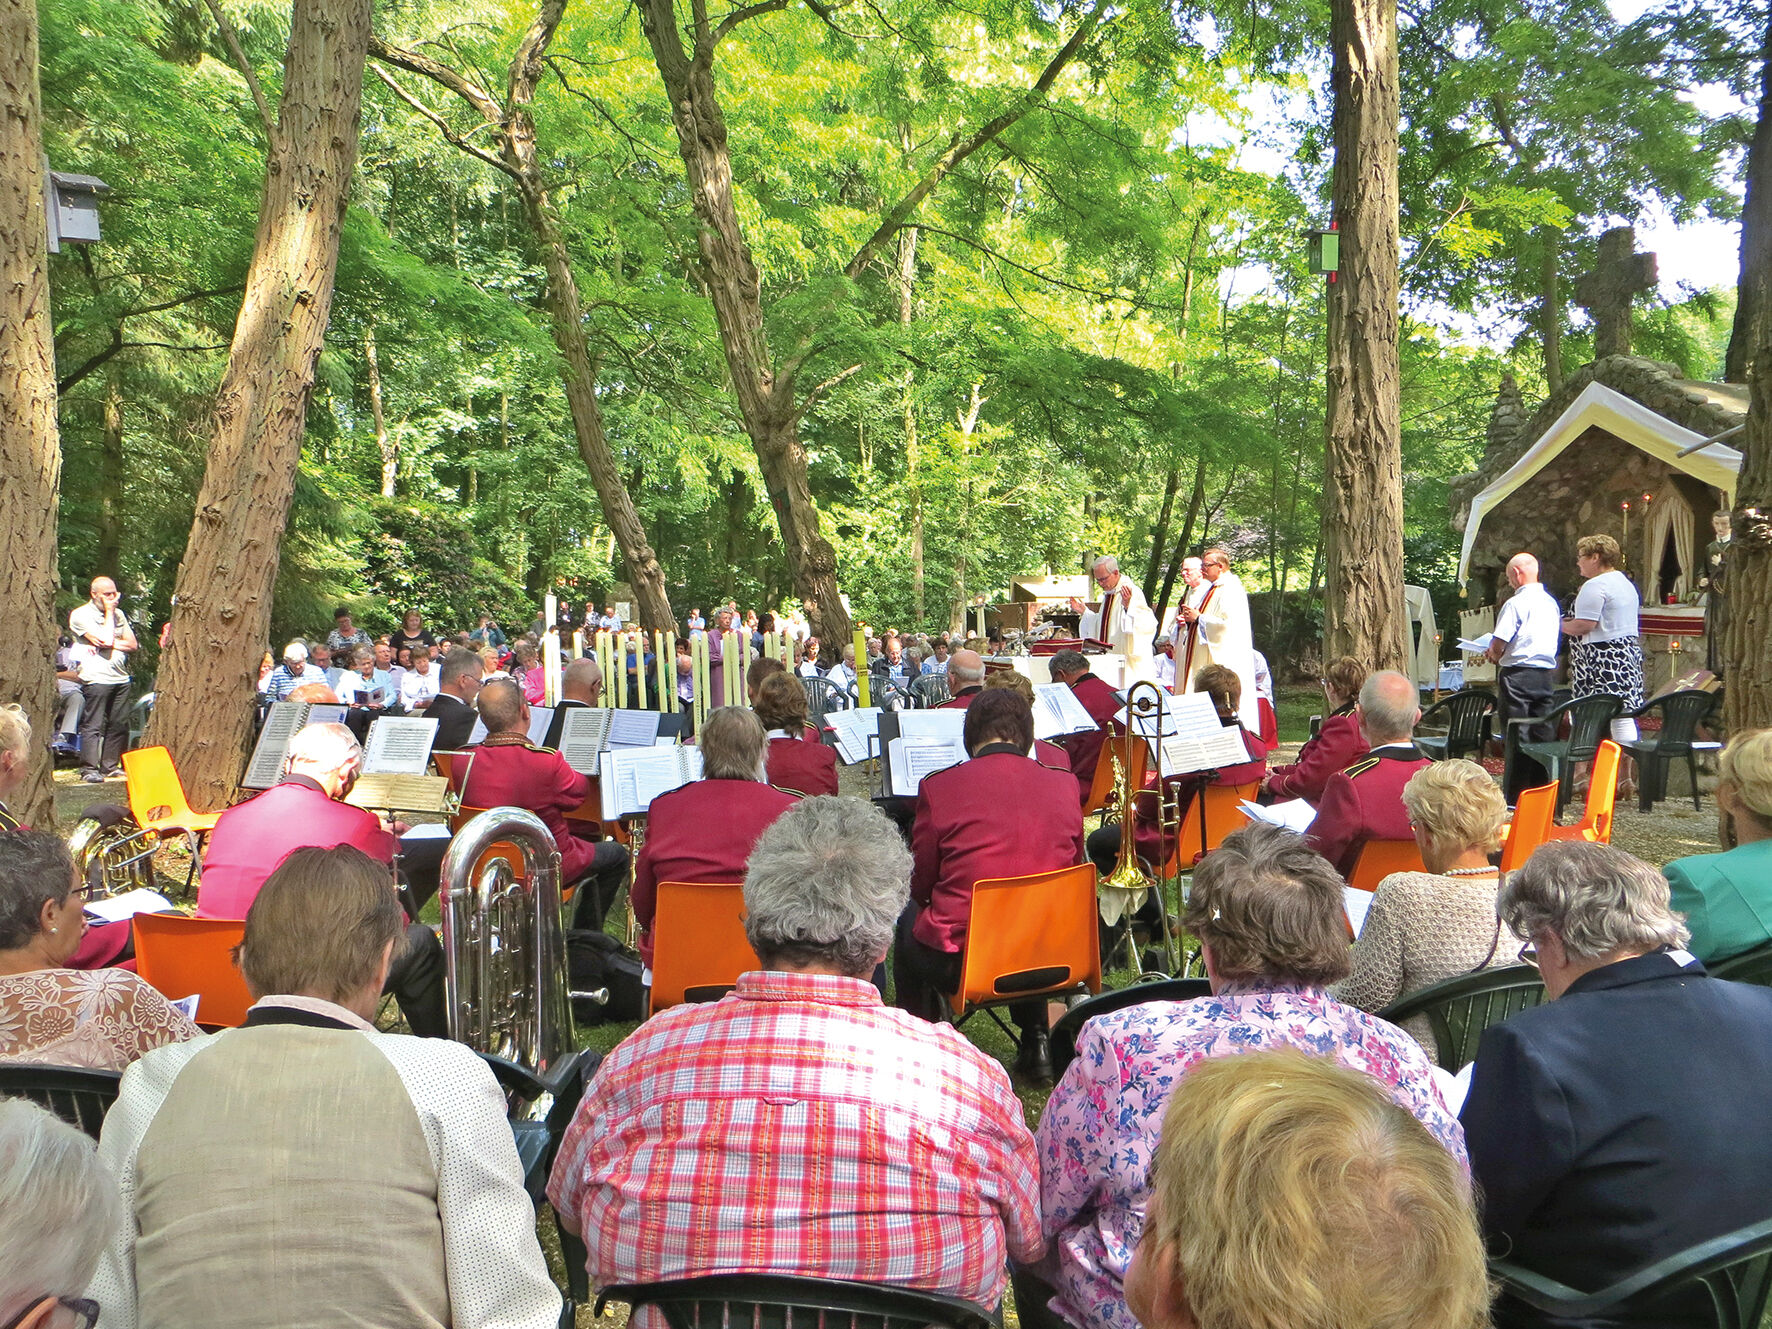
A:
221,614
1160,533
110,480
1195,501
30,448
1747,671
1550,310
1748,334
1363,523
907,280
390,455
1172,482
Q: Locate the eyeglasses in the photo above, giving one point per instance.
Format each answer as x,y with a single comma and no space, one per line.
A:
86,1311
1529,954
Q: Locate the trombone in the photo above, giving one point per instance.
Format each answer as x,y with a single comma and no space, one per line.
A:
1132,878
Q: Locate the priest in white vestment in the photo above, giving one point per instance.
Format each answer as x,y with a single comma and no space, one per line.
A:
1223,637
1124,620
1173,653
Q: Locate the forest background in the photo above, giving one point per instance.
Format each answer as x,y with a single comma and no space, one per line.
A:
1100,333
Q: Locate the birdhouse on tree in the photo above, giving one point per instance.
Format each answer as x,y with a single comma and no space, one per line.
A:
72,204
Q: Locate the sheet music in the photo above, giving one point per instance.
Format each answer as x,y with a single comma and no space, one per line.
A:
266,766
936,726
399,745
1057,712
583,736
1181,754
1147,720
854,730
188,1005
400,793
910,759
632,729
633,777
1295,814
1357,904
116,908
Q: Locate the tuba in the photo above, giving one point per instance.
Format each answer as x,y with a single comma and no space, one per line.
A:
505,977
115,856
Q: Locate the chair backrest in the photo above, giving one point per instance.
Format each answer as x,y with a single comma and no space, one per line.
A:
180,955
1681,714
1753,966
698,943
1032,934
1101,784
1535,812
78,1096
1588,721
1602,793
155,791
1070,1024
1220,805
1379,858
930,690
782,1301
1461,1008
1466,714
819,694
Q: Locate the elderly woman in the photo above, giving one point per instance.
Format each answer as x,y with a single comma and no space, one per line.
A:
1267,910
1251,1143
49,1013
1426,926
703,832
1604,653
1335,745
1605,1126
1727,898
527,670
1047,754
15,758
797,763
57,1209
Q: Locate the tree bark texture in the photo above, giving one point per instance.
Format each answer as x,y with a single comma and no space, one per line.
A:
1551,310
390,454
110,481
907,280
221,612
1363,514
30,447
1747,658
1747,334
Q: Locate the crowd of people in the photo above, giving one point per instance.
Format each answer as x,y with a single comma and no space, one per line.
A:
1275,1153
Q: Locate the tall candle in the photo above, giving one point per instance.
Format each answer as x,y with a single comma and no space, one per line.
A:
660,656
621,670
701,681
861,668
578,644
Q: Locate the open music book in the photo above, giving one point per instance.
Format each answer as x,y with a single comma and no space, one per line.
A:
908,760
1358,904
116,908
285,718
399,745
633,777
857,733
1199,741
540,717
584,733
1057,712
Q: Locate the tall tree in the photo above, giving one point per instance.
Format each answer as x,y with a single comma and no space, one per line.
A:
1363,514
221,613
511,126
30,449
1747,661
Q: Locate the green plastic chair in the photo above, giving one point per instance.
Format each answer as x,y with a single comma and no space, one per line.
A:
78,1096
781,1301
1753,966
931,690
1732,1272
1468,715
1588,717
1460,1009
1681,714
1070,1024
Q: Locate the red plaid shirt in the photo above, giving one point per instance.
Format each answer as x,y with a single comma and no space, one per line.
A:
798,1126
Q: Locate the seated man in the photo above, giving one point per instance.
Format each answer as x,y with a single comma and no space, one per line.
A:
1097,697
1727,898
306,810
307,1171
581,685
1001,814
507,770
458,684
965,678
794,764
1605,1128
1365,801
293,672
798,1126
704,831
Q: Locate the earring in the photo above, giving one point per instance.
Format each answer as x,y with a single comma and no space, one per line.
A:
53,930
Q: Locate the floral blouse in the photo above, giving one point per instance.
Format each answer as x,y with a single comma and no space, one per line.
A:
101,1019
1100,1128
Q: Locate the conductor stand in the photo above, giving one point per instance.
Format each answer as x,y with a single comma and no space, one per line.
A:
390,795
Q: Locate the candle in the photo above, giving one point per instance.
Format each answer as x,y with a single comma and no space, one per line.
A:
701,681
664,652
578,644
550,666
621,670
861,668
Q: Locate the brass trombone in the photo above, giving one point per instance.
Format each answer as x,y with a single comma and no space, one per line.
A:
1145,707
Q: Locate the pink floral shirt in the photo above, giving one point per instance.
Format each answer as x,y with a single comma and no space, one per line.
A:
1100,1128
101,1019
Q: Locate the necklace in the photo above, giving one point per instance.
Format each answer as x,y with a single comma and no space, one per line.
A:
1470,872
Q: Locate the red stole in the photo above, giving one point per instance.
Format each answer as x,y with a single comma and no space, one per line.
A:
1184,679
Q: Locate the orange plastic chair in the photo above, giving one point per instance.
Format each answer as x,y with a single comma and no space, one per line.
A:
698,943
1602,793
445,764
180,955
1030,936
1535,815
1379,858
1101,787
500,849
1219,804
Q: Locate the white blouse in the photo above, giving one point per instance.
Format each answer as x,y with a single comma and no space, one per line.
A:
1610,599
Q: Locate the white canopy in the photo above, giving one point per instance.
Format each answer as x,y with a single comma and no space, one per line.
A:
1715,464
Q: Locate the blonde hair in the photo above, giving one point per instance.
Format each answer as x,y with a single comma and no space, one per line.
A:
1602,547
1291,1193
1745,766
1017,682
15,729
1454,806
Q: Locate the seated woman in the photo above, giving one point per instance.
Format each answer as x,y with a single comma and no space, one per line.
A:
1427,926
1249,1143
795,765
15,758
57,1211
704,831
1727,897
1267,910
102,1019
1335,745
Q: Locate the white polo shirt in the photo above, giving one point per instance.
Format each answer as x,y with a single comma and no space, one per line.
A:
1532,626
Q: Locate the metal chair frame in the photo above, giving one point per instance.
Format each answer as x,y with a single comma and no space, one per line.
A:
1461,1008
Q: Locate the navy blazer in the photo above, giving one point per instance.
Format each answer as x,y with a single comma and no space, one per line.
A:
1622,1123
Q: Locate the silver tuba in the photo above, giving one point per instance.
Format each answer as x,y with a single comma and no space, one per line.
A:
504,949
114,857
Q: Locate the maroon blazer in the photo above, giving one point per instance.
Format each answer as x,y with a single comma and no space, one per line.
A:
961,700
252,839
1051,756
521,775
1103,704
798,767
703,832
999,815
1337,745
1147,834
1365,802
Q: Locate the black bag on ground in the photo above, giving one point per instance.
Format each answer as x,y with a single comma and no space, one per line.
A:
594,959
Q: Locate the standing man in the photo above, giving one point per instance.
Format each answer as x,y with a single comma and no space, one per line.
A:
1174,668
104,681
1124,620
1221,634
1524,645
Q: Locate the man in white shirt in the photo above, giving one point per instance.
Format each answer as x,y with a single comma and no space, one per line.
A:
1123,620
252,1163
294,672
1527,630
104,680
1222,635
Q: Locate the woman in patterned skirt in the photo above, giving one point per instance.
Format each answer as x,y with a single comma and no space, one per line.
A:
1605,654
